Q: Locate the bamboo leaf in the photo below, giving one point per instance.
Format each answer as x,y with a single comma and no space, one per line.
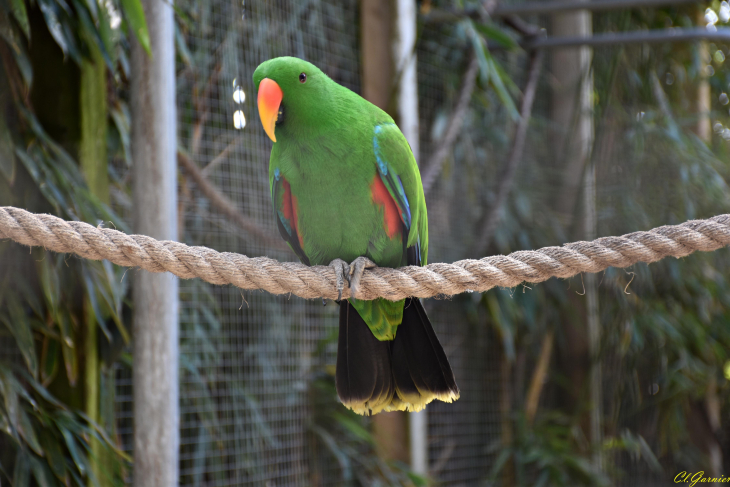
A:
5,422
488,70
21,472
32,167
112,298
91,289
354,427
68,347
9,33
53,453
19,325
120,117
134,15
30,296
92,33
10,400
491,31
418,480
99,433
336,451
499,88
54,25
182,47
26,430
93,9
41,472
74,50
77,456
9,378
499,463
50,284
50,358
42,391
109,37
21,15
7,153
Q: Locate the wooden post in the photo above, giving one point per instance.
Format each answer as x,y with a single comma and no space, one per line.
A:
154,144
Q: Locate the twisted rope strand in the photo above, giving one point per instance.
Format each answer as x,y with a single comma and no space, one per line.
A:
276,277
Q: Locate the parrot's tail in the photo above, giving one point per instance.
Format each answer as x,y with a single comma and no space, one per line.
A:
363,378
400,375
421,370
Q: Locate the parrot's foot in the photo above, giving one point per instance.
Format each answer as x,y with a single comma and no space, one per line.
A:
342,273
352,273
357,268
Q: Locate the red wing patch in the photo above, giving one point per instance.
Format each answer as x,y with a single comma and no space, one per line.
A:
391,215
290,209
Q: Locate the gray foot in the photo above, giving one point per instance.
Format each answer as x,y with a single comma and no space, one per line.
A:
356,269
342,273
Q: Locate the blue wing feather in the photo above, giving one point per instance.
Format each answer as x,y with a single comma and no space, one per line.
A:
393,182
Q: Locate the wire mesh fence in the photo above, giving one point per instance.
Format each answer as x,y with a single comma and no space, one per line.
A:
247,361
257,398
251,364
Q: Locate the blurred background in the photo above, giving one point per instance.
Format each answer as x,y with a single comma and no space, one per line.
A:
619,378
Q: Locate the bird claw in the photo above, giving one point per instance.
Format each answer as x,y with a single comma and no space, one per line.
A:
352,273
357,268
342,274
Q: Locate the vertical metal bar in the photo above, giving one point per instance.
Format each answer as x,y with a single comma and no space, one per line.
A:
404,55
154,143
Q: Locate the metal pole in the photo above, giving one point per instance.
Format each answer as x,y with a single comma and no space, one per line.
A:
154,144
435,16
404,55
532,8
722,34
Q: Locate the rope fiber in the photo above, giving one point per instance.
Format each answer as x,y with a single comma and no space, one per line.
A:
531,266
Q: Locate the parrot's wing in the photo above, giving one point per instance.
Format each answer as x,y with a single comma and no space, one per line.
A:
285,208
399,172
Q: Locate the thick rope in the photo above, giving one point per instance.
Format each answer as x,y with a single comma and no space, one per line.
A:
320,282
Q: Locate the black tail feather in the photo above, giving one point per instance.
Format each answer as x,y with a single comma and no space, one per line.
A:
363,376
420,367
405,374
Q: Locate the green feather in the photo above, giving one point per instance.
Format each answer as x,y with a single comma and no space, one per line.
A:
324,151
382,316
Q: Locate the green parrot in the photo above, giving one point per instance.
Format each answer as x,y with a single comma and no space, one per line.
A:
345,186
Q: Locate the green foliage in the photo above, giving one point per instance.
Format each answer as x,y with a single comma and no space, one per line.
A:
137,23
340,434
491,73
548,454
664,327
48,300
49,442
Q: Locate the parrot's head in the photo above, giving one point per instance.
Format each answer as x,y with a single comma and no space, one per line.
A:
292,95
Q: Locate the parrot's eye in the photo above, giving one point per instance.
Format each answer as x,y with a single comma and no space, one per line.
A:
302,78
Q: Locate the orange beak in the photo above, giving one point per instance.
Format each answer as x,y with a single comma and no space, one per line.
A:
270,96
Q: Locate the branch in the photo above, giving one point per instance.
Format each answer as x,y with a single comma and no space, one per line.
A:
538,377
433,167
226,206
